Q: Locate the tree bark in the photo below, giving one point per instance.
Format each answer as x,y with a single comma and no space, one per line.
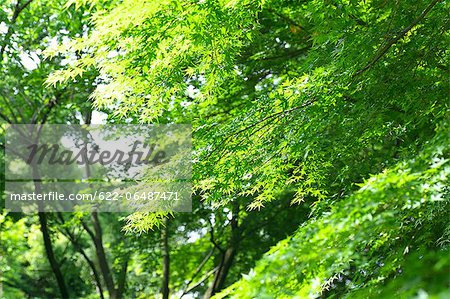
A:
97,235
97,238
51,256
228,255
48,241
122,278
165,291
91,264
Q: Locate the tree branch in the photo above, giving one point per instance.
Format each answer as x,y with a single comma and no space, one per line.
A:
200,281
285,18
197,271
17,10
269,117
383,49
78,248
213,241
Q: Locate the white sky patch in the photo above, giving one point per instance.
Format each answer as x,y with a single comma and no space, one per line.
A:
185,104
65,41
100,137
237,70
53,43
69,60
98,118
193,236
3,28
191,91
276,80
112,54
30,62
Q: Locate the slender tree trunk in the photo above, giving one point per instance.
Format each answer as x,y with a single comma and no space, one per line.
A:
97,235
97,238
122,278
227,257
98,283
79,248
166,260
48,241
51,256
101,255
223,271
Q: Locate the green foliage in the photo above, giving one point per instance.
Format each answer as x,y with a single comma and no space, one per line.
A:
271,106
24,272
388,239
337,108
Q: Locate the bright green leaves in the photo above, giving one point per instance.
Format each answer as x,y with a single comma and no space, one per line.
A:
377,233
149,51
279,105
242,64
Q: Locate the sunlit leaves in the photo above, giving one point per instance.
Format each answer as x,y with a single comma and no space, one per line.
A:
366,239
278,104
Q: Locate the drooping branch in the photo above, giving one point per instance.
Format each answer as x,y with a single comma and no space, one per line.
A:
197,271
283,113
18,8
76,244
385,48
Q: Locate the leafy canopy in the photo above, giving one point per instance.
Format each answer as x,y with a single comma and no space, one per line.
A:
342,103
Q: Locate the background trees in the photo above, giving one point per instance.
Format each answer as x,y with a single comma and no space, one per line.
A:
324,124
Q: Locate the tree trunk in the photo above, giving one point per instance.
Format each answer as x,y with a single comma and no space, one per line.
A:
51,256
166,260
101,255
48,241
222,272
77,246
227,256
122,278
97,235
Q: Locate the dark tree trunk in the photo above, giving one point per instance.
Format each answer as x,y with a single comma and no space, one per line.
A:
51,256
228,255
97,235
79,248
122,278
101,255
166,260
48,241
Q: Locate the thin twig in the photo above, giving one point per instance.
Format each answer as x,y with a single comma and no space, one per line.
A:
269,117
17,10
197,271
383,49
